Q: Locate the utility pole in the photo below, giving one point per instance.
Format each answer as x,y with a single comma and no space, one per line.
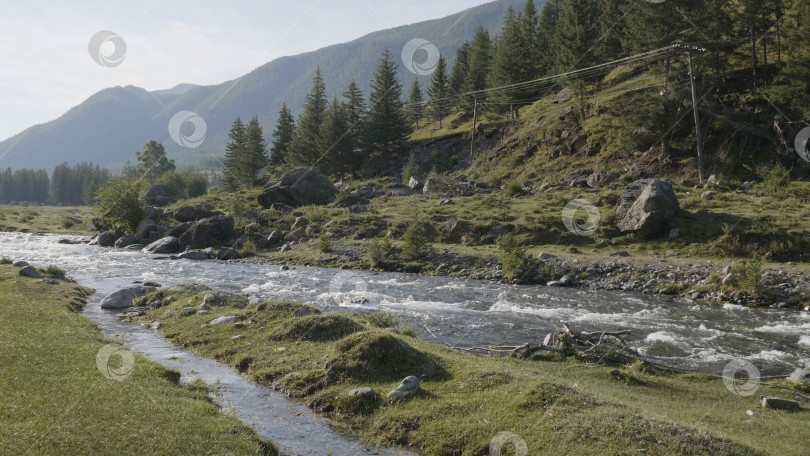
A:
472,135
689,50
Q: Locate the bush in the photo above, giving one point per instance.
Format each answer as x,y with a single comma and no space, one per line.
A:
184,184
514,189
377,250
747,274
67,223
119,201
54,272
410,169
415,242
324,244
6,260
511,253
248,248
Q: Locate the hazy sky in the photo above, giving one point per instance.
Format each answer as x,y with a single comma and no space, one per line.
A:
46,67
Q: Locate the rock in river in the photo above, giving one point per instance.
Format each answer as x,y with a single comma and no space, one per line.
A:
166,245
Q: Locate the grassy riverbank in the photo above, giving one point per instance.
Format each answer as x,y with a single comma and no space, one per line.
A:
556,406
54,398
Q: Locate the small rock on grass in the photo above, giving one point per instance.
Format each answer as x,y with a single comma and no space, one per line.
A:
30,271
364,391
223,319
408,386
189,310
779,403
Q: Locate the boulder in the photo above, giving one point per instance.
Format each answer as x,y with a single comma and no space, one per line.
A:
408,386
295,235
195,255
350,200
299,187
159,195
453,229
30,271
125,241
152,213
105,239
193,213
275,238
416,184
564,95
178,230
777,403
647,207
801,375
20,264
600,177
364,192
145,228
223,319
227,253
712,181
707,195
123,298
364,392
300,222
208,232
166,245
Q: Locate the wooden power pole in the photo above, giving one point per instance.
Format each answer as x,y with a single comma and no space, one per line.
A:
689,50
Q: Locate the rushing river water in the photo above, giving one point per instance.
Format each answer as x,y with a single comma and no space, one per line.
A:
704,336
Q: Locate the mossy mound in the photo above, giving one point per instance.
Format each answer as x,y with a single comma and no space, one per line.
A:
377,356
317,328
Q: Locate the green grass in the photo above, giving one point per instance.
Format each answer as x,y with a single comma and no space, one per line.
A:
54,399
556,406
50,219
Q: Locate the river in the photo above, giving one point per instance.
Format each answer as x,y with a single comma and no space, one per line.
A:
681,333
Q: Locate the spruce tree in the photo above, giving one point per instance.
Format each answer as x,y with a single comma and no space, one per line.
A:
234,150
459,73
355,111
508,65
386,125
335,142
255,158
282,137
480,64
416,104
304,149
439,92
546,30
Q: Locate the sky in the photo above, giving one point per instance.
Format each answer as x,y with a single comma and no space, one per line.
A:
46,66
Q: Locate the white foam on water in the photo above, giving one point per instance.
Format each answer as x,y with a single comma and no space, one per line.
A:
804,340
662,336
785,327
771,355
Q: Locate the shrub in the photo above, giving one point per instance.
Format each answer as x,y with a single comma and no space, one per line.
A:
54,271
324,244
315,214
377,250
6,260
747,274
119,201
184,184
415,242
410,169
514,189
67,223
248,248
511,253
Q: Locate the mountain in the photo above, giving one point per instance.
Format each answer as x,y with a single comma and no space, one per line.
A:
112,124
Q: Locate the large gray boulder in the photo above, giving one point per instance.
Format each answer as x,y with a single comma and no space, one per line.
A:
166,245
299,187
30,271
123,298
145,228
125,241
159,195
647,207
208,232
193,213
105,239
801,375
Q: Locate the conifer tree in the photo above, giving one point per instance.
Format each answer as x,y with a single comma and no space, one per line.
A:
234,149
415,108
355,105
282,137
457,81
304,149
439,91
386,125
480,64
335,142
255,158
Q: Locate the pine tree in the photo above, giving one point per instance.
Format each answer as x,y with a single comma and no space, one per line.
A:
415,108
255,158
355,111
386,125
438,91
480,65
282,137
576,35
152,161
529,23
457,82
611,29
304,149
547,28
508,65
338,151
234,149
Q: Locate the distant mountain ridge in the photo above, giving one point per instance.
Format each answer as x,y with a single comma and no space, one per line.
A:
113,123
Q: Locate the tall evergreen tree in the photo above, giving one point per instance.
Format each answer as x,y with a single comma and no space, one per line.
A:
457,83
480,65
611,29
282,137
546,30
508,65
439,92
255,159
355,112
234,150
335,142
304,149
529,24
415,108
386,125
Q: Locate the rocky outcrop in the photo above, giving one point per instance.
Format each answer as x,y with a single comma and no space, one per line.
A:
159,195
299,187
193,213
105,239
166,245
208,232
125,241
647,207
145,228
453,229
30,271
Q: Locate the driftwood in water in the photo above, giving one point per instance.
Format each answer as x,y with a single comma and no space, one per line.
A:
589,345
